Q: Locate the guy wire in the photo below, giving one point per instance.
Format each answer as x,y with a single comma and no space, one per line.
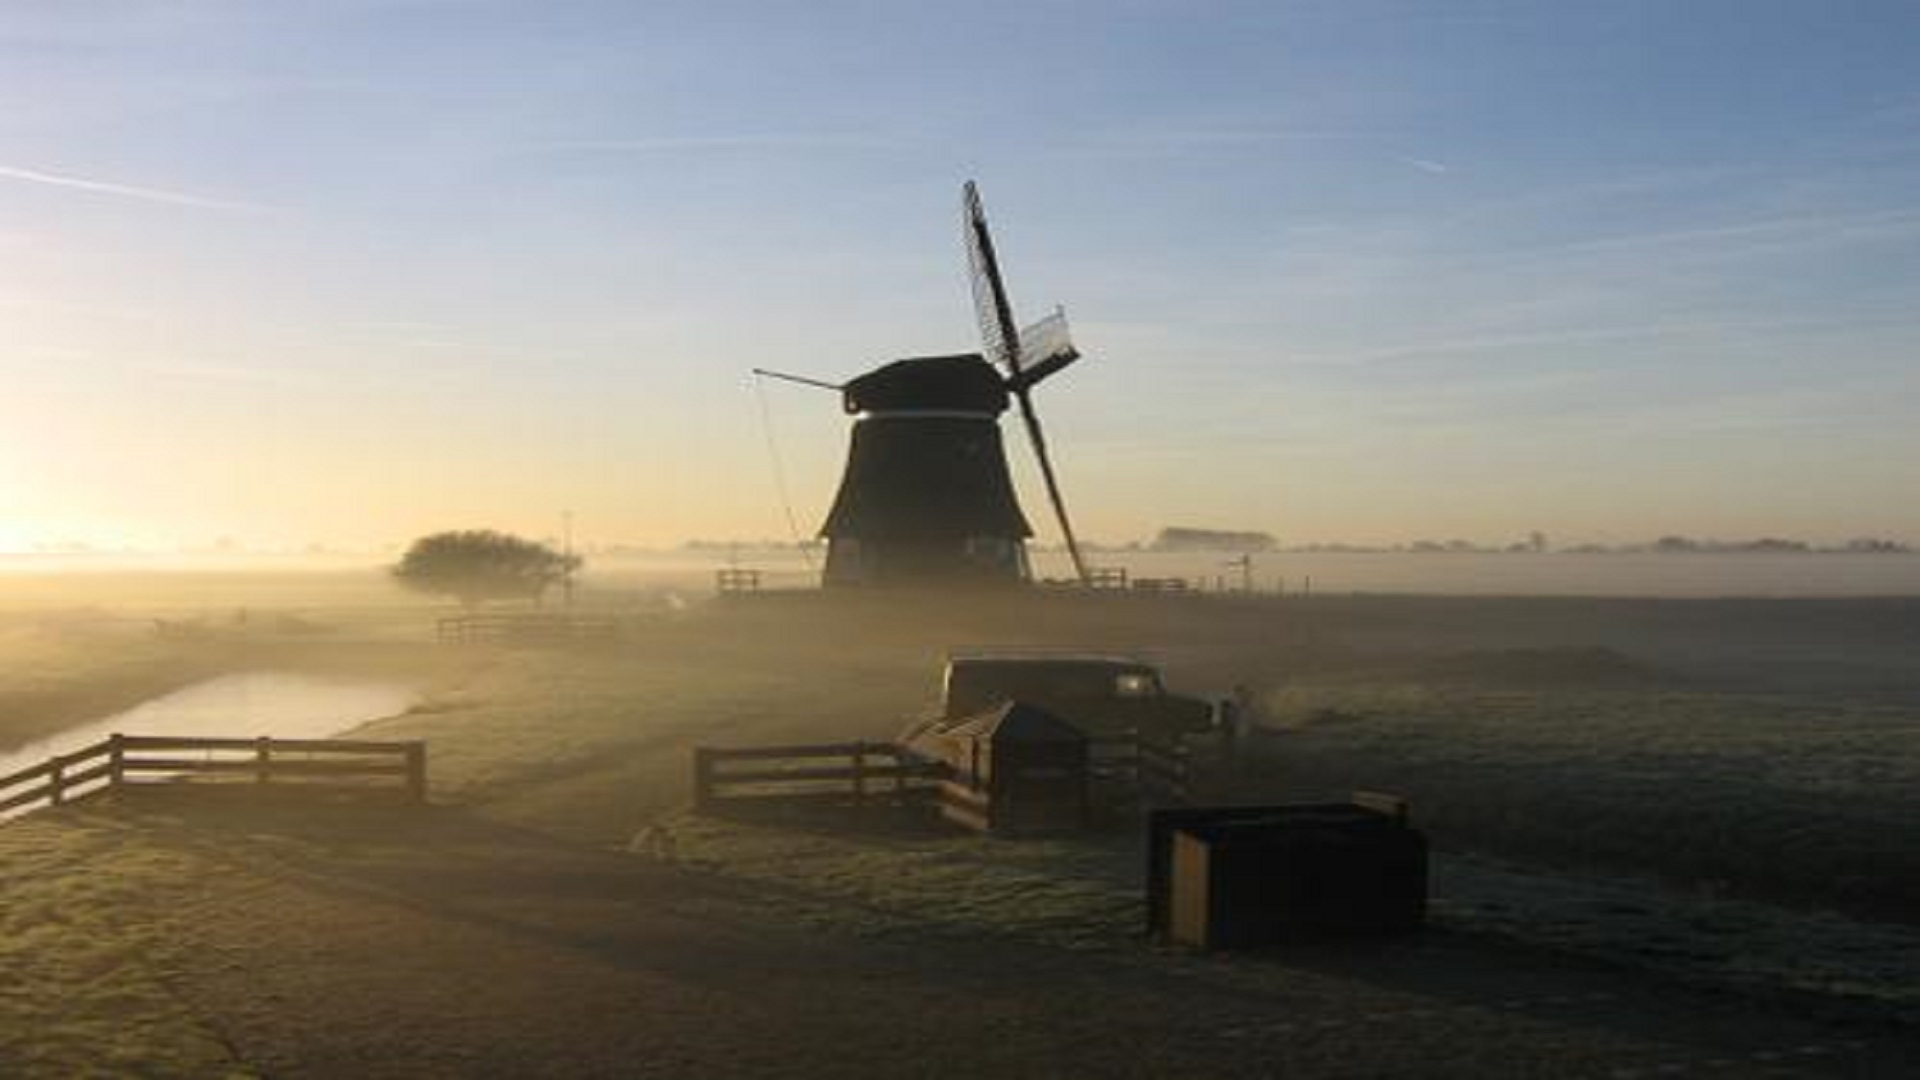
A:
779,470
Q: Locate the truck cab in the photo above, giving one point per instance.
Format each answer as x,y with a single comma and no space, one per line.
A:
1098,694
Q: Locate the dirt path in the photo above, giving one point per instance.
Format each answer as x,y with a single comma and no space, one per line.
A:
351,941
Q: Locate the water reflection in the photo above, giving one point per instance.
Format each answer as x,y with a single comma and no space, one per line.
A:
277,703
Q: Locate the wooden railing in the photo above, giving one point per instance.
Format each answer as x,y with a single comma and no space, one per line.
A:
872,771
1124,768
524,626
1159,772
964,805
736,580
130,759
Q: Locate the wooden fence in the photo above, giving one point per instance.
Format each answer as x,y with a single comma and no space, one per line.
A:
1159,773
861,772
525,626
735,580
1125,768
121,760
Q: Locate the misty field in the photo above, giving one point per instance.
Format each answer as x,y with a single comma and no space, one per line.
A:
1619,780
1770,748
1768,795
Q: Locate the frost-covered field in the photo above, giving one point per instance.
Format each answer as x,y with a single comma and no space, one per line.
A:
1725,790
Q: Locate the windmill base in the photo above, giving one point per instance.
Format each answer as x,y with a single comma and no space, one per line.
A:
972,562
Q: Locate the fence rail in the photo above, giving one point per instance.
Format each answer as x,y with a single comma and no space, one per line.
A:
118,759
524,626
1158,772
875,771
1125,767
964,806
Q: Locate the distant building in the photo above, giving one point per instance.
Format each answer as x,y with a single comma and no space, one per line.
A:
1181,539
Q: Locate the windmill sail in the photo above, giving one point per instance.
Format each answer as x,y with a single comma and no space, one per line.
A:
1045,347
1001,344
1000,339
1047,339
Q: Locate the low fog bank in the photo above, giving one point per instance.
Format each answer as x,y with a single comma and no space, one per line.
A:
122,580
1621,574
1550,729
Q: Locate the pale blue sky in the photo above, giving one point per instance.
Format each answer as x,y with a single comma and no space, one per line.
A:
346,271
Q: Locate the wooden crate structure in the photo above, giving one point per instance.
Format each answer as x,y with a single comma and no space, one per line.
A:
1014,768
1236,877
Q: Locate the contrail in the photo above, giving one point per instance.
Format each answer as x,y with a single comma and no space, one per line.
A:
125,191
748,141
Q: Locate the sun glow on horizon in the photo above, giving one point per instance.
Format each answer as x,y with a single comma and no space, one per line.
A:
1372,279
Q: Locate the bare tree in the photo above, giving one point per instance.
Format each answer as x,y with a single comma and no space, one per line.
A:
476,565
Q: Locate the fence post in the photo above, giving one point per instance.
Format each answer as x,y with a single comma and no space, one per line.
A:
116,759
1227,722
262,759
859,773
702,777
57,782
1086,790
417,772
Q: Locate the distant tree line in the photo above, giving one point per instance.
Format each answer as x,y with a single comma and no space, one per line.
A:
749,547
1178,539
1533,543
1665,545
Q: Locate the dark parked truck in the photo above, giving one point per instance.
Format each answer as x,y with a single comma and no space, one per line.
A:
1100,695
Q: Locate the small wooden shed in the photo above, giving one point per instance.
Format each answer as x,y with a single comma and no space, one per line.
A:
1016,768
1235,877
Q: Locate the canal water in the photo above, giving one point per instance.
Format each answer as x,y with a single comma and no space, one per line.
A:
282,704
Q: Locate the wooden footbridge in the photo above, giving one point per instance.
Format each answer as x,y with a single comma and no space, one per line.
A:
123,760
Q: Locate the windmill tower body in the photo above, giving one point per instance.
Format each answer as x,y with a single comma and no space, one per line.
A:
927,497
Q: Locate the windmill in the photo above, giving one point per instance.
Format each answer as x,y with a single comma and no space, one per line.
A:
927,496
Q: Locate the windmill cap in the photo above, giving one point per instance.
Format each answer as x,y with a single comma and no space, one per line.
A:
960,383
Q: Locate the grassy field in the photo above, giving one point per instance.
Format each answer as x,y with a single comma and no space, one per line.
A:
1808,798
1605,757
282,937
1759,748
88,960
1680,755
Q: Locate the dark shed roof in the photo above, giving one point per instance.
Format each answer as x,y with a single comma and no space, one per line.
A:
1017,721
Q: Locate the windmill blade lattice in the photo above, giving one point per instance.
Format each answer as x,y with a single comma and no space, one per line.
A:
1000,343
999,336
